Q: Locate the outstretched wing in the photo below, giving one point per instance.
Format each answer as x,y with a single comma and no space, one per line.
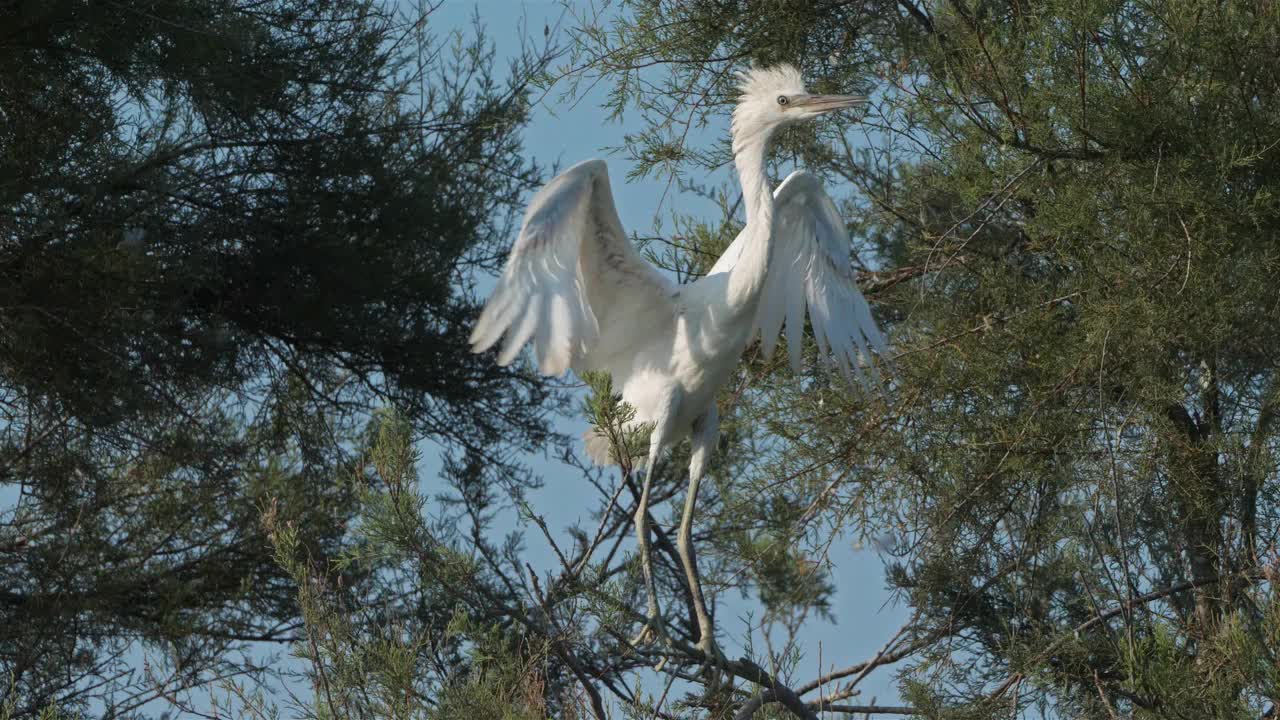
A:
809,267
571,272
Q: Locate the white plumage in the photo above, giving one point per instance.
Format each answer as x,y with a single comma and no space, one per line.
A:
576,288
810,266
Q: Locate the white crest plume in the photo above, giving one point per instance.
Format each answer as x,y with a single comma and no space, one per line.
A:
770,82
757,113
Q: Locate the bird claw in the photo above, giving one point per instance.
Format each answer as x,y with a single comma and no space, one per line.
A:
714,664
654,631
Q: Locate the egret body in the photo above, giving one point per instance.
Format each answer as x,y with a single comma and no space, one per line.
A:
576,288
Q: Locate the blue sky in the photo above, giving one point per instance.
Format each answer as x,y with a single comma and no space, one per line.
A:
568,134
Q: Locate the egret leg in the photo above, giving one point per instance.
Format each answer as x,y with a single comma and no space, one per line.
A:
706,431
653,626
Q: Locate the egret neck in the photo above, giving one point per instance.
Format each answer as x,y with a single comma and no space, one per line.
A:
750,143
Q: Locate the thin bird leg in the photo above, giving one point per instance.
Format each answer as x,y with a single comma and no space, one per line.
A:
653,622
706,431
706,637
658,439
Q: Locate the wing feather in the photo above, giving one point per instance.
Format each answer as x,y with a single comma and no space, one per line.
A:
810,269
570,269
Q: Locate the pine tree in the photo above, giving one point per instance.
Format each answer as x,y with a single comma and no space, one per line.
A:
228,231
1069,210
1068,216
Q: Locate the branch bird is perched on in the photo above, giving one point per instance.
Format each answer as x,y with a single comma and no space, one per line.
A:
575,286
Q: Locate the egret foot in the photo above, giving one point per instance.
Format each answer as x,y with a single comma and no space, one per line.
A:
654,631
714,664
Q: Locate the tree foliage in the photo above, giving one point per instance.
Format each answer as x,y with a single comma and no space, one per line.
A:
251,224
227,232
1070,209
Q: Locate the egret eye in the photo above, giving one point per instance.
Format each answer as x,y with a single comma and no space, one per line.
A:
782,100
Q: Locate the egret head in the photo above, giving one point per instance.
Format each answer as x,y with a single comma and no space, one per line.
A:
773,97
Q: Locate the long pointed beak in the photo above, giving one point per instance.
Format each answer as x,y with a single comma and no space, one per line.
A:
827,103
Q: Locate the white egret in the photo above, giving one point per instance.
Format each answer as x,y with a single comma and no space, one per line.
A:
575,286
